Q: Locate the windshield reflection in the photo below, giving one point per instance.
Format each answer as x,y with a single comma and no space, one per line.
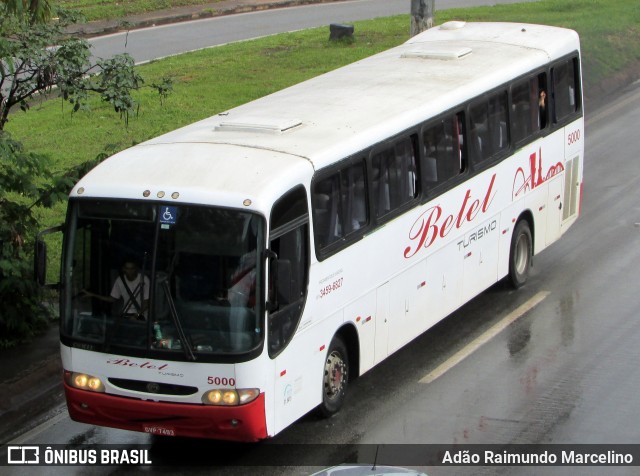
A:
177,280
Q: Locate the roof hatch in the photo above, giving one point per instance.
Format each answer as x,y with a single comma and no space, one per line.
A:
439,52
259,124
453,25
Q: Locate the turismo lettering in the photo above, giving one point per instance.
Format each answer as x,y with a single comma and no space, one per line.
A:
431,225
477,235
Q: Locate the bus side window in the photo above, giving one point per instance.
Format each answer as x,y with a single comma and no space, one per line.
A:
528,107
340,204
523,110
290,244
565,89
327,211
354,198
443,151
489,135
543,101
394,176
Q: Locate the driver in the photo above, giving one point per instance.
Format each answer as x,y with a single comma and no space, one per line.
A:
129,286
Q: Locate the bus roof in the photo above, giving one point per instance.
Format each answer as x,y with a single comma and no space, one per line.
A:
254,150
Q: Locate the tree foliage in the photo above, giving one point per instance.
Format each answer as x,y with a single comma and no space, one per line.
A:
27,184
36,11
20,171
37,60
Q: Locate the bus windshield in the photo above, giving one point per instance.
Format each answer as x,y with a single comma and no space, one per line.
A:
180,282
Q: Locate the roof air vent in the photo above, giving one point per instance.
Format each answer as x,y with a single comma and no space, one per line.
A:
259,124
439,53
453,25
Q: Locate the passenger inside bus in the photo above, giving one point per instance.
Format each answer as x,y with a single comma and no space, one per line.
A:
542,105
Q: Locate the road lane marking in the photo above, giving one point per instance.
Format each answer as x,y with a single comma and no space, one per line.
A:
481,340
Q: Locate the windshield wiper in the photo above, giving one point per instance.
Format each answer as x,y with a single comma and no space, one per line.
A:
188,351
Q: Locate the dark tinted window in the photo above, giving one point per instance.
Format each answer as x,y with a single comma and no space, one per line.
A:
488,127
444,154
289,276
340,204
529,100
393,174
565,89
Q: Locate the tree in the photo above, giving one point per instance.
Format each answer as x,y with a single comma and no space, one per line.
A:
34,10
421,15
30,66
25,183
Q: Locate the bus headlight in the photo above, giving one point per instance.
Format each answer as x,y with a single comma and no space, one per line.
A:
83,381
228,397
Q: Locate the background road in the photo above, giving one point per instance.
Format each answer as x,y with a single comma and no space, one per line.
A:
157,42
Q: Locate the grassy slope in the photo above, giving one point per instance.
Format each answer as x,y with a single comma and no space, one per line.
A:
216,79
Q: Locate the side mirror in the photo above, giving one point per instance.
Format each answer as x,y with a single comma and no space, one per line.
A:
40,256
40,263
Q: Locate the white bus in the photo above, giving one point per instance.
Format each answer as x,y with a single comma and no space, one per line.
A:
291,244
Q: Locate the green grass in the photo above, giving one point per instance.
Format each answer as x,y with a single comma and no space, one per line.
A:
213,80
609,29
108,9
205,82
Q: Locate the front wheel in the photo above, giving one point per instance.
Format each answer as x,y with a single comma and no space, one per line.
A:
335,378
520,257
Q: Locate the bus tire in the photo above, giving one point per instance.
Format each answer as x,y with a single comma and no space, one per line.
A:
335,378
521,254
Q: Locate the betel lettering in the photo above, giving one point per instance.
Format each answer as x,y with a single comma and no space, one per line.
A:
130,363
430,225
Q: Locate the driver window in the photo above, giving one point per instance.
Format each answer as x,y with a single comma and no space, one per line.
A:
290,245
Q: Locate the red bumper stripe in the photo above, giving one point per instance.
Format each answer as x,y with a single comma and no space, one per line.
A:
233,423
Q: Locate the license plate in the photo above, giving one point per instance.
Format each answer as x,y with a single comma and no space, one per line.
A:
159,430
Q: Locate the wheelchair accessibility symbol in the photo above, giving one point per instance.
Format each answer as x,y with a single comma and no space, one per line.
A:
168,215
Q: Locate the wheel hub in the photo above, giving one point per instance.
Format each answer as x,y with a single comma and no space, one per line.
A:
335,374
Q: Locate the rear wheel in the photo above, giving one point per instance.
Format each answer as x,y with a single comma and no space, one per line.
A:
520,257
335,378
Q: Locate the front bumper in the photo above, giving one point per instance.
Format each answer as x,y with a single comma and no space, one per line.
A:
232,423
